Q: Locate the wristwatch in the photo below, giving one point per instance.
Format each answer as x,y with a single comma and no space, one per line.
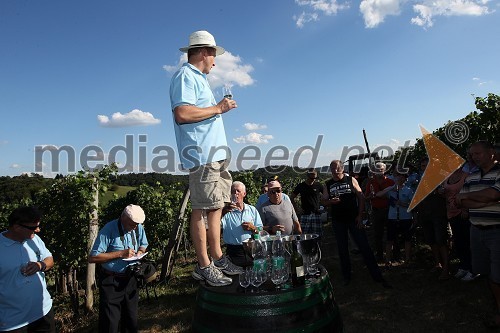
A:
44,266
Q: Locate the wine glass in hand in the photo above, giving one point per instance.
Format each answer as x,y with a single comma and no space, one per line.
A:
226,91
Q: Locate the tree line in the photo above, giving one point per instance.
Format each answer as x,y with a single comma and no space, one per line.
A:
72,214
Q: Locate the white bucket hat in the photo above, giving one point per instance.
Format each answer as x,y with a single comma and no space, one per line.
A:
202,38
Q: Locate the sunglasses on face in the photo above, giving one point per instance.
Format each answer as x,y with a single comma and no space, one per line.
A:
275,191
29,227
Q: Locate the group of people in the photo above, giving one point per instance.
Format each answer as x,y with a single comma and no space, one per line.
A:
25,303
216,200
462,214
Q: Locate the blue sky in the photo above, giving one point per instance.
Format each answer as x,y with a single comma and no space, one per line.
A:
90,73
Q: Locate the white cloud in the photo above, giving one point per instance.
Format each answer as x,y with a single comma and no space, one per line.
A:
133,118
255,138
429,9
375,11
229,69
15,166
480,82
3,142
304,18
317,8
254,127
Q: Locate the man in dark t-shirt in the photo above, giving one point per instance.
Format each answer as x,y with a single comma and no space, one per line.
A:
343,194
310,192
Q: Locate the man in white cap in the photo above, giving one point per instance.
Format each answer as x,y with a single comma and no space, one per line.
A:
118,240
278,214
202,145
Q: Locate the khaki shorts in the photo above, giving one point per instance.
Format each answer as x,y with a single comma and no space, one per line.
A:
210,185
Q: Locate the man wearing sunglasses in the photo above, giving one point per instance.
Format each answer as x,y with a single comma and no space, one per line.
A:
264,197
278,214
25,303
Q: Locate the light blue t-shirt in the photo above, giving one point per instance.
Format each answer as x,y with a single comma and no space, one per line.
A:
108,240
23,299
233,232
204,141
405,195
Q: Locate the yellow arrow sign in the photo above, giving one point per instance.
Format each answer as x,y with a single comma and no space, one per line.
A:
442,163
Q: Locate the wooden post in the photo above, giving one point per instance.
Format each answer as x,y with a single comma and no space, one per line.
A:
173,240
93,230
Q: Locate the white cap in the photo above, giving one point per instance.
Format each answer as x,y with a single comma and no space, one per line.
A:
135,213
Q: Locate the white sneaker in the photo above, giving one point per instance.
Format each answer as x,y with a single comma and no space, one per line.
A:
227,267
461,273
469,277
212,275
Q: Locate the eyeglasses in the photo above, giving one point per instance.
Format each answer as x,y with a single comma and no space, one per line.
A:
275,191
29,227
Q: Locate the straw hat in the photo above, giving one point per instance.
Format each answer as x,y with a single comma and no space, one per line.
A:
202,38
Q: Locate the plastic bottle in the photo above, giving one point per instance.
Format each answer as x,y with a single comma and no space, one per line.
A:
297,266
278,251
259,258
264,235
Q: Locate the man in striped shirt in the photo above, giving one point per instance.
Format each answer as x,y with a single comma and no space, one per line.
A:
481,195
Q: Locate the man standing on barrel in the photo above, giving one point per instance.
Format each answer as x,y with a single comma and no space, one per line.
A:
202,145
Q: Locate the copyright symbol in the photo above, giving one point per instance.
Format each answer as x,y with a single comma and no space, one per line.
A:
457,132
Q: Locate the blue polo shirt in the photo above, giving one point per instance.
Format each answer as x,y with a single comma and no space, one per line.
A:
23,299
204,141
108,240
405,195
233,232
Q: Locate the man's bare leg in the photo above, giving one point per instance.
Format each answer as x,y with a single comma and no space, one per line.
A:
213,233
199,238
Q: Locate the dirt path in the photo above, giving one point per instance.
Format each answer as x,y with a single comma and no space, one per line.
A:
419,302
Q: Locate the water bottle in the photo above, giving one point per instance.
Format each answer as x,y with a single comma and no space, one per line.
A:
264,235
278,252
297,266
259,258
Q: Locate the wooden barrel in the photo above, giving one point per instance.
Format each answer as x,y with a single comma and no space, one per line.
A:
310,308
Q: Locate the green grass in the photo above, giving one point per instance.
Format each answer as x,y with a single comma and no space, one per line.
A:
171,312
419,302
114,190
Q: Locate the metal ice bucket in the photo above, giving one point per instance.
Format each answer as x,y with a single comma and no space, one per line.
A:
307,243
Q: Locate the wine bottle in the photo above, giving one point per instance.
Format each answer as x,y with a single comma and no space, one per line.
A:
297,266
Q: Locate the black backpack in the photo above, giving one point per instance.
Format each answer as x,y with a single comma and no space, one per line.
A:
145,272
